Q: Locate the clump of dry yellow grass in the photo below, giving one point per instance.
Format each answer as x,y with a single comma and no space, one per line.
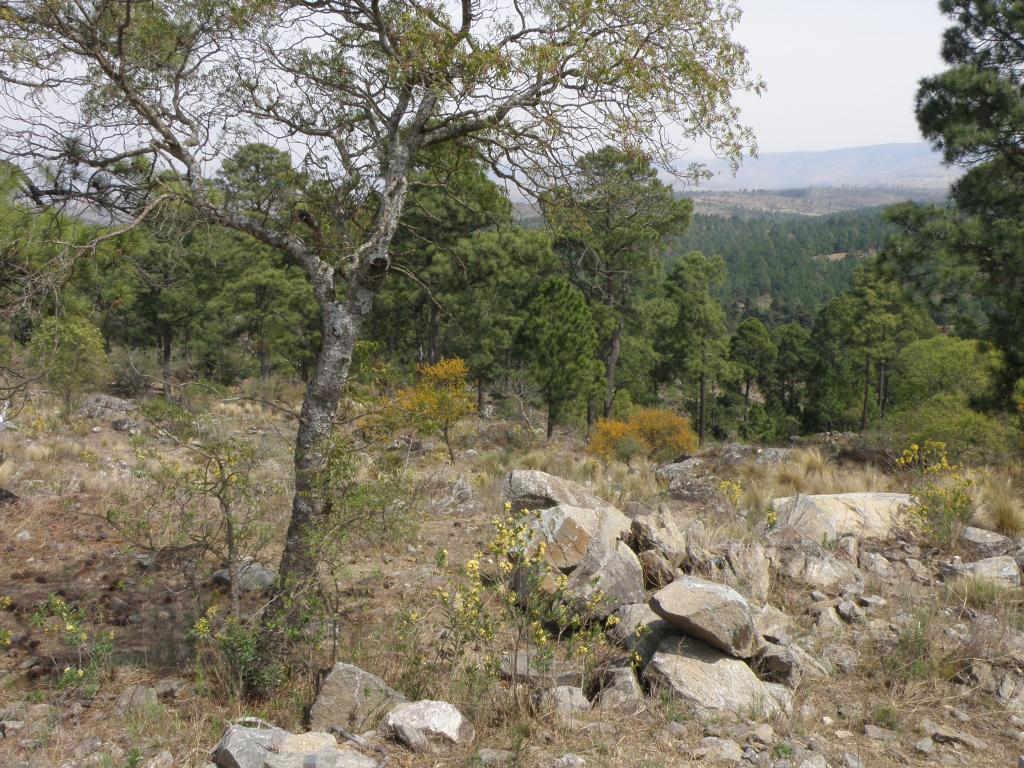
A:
998,502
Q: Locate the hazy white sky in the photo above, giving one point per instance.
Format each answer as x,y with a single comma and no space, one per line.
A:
841,73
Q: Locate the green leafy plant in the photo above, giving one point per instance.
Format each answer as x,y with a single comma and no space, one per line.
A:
942,491
88,656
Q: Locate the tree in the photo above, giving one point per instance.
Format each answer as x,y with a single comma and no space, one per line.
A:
559,342
68,352
792,364
153,93
754,352
974,113
694,346
609,223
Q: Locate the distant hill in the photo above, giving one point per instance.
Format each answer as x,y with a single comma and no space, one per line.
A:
808,201
914,165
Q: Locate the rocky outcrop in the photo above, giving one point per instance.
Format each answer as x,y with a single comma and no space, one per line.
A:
269,747
710,682
982,544
605,581
533,490
827,517
714,613
999,570
351,698
570,532
639,629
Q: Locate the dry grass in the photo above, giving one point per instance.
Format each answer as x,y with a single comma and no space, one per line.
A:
998,503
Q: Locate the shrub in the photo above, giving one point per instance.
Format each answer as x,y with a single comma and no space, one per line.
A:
69,354
968,434
435,404
944,503
655,432
87,656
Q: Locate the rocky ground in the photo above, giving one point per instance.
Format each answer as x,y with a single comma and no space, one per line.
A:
823,634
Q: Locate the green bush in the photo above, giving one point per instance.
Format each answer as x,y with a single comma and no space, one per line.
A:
968,434
68,352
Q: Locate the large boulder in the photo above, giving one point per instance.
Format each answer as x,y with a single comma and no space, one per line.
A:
564,702
712,612
252,576
749,570
525,666
605,581
351,698
829,516
659,531
806,562
981,543
569,532
788,665
533,490
679,469
710,682
244,747
619,688
438,721
998,570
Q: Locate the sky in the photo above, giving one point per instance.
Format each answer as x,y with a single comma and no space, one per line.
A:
840,73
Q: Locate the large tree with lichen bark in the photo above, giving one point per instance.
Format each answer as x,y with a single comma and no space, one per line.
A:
129,105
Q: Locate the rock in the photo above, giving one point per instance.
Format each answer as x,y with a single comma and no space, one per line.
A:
413,738
658,531
569,761
526,667
605,581
715,750
944,735
106,407
876,733
7,497
807,563
569,533
707,680
774,625
639,629
850,612
23,536
925,746
87,746
487,758
850,760
787,665
162,759
252,576
981,543
242,747
711,612
135,699
313,741
344,757
875,564
619,689
565,702
438,720
693,489
1001,570
749,570
351,698
678,469
829,516
657,570
532,490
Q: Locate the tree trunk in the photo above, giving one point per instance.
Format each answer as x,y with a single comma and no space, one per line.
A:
165,359
264,359
480,397
551,420
701,414
746,399
591,416
610,365
434,353
867,392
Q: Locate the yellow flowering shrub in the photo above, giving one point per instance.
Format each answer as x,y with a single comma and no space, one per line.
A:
942,491
91,654
507,599
655,432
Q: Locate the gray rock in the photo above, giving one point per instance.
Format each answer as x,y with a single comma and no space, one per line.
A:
877,733
774,625
162,759
749,570
944,735
701,490
981,543
87,746
640,629
807,563
850,612
569,761
570,532
605,581
343,757
242,747
488,758
715,750
829,516
351,698
658,531
252,576
620,689
106,407
438,720
875,564
788,665
413,738
657,570
565,702
679,469
707,680
1000,570
714,613
526,667
135,699
925,746
529,489
850,760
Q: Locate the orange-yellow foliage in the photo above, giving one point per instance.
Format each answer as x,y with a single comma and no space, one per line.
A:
655,432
